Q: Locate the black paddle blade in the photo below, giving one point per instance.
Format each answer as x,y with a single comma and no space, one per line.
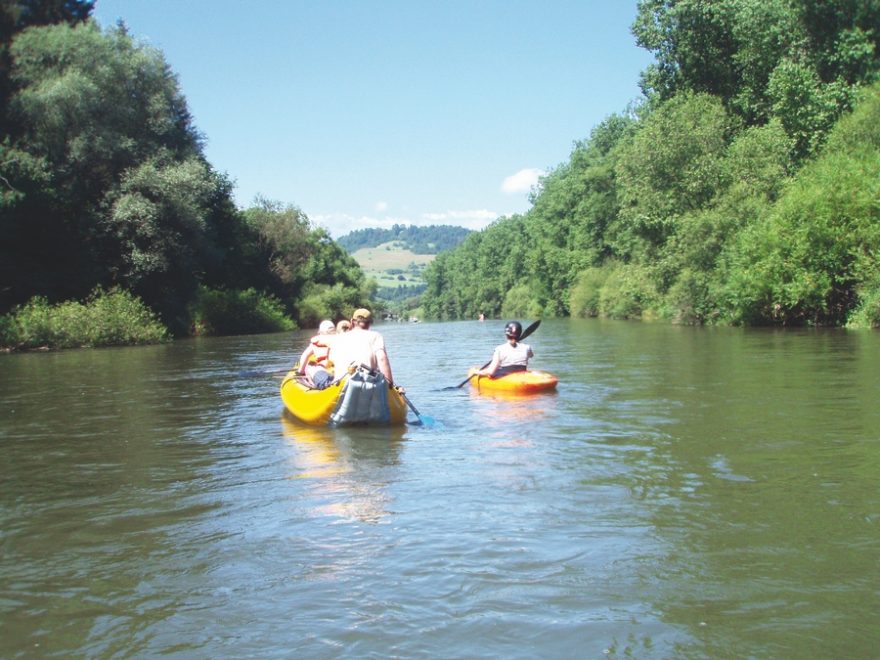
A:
529,330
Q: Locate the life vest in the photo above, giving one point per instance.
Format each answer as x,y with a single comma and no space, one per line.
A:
320,351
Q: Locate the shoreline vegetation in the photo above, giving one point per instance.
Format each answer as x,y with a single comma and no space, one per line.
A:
105,319
742,189
117,318
104,187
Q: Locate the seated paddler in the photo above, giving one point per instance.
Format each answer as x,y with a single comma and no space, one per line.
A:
361,346
510,356
314,362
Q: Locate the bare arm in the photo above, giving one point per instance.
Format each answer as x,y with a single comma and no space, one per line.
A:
304,358
384,365
492,368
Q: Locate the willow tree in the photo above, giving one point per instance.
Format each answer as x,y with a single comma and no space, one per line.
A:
105,179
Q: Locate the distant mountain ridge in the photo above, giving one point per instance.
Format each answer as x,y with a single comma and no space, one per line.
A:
432,239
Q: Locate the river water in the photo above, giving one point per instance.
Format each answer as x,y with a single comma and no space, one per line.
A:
687,492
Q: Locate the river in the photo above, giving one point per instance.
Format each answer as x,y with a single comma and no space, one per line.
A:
687,492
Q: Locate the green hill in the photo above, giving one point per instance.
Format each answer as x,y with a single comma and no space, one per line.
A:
399,273
432,239
392,264
396,259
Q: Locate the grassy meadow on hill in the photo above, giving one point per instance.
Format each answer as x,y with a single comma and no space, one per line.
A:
391,264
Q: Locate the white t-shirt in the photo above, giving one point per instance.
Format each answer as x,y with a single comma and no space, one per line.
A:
357,345
512,356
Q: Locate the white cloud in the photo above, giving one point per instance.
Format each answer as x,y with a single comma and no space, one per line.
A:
522,181
381,207
338,224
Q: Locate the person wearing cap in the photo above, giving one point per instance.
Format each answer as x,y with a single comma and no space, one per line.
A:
314,361
343,326
361,346
510,356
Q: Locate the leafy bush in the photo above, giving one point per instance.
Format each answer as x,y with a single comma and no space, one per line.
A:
220,312
691,299
519,303
586,293
322,301
758,162
105,319
628,293
867,314
805,264
814,258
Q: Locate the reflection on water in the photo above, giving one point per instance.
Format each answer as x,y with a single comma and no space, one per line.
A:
350,466
315,454
509,418
686,492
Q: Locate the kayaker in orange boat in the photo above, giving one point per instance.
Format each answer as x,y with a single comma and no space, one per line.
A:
510,356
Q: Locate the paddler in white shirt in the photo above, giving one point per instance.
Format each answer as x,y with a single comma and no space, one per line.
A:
360,346
510,356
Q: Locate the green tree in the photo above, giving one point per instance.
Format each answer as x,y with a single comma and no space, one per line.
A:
103,182
673,164
814,259
795,60
304,267
17,15
106,182
432,239
695,205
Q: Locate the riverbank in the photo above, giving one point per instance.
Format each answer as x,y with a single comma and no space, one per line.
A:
118,318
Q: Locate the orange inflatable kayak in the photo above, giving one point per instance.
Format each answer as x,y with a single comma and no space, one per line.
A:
518,382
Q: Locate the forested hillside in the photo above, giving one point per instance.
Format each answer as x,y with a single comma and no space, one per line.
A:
104,186
432,239
743,188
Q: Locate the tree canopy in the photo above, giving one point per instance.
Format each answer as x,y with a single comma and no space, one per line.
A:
104,183
741,189
432,239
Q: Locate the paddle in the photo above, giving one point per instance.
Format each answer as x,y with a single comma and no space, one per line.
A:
526,333
411,406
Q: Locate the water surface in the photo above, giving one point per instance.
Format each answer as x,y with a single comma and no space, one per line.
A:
687,492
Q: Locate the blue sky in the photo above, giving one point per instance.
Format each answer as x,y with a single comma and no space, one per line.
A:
369,113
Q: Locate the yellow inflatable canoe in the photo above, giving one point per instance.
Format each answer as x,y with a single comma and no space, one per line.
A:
518,382
359,398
